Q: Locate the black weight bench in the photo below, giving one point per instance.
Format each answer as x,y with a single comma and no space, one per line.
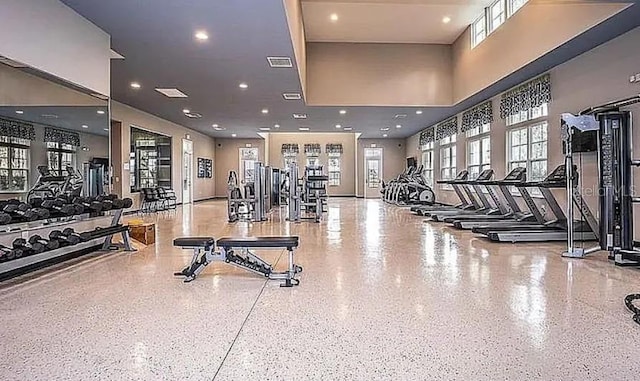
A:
204,253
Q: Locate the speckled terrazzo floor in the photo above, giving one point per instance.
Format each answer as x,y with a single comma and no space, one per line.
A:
384,296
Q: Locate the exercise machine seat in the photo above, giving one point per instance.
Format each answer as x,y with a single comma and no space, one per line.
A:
258,242
194,242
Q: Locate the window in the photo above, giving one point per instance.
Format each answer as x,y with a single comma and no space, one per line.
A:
514,5
14,164
289,158
528,149
427,163
248,158
59,157
496,15
313,161
526,115
478,150
448,158
478,31
334,169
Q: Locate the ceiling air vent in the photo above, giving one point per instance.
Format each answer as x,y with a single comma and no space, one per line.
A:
400,116
193,115
171,93
299,116
279,61
292,96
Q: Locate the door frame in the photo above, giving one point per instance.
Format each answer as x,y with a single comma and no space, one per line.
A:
187,149
367,190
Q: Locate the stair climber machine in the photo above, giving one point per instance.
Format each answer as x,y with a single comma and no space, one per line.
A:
475,193
455,183
543,230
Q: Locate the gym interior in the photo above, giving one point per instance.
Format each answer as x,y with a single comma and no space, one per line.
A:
319,190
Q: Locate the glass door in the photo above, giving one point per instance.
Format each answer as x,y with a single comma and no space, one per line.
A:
187,171
373,172
248,158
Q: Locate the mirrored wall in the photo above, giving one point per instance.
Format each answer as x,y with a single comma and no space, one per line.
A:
149,160
49,127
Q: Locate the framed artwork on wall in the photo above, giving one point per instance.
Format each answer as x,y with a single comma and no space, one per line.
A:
205,168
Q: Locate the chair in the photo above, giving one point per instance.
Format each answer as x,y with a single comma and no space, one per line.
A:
168,199
150,200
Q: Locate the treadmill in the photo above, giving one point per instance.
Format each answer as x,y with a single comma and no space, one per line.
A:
480,208
463,205
514,216
555,230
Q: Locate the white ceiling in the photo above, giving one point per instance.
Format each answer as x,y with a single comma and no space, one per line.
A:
385,21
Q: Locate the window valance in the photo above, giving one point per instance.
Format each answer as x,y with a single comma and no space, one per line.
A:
312,149
333,148
477,116
427,136
17,129
447,128
55,135
526,96
290,149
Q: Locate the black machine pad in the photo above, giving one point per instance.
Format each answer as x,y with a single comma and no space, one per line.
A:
194,242
257,242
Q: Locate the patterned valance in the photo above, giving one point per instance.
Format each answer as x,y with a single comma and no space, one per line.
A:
333,148
447,128
17,129
312,149
290,149
61,136
427,136
526,96
477,116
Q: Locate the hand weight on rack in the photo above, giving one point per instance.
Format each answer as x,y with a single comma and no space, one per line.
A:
27,248
64,239
7,253
70,232
49,245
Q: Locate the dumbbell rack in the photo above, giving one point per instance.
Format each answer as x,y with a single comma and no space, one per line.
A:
80,223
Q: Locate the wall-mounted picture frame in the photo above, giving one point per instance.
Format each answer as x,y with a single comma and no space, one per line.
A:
205,168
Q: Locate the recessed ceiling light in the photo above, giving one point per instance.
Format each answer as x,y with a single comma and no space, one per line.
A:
334,17
384,129
265,128
85,126
446,19
342,112
384,135
186,110
303,128
214,125
106,129
19,112
276,126
233,135
398,126
338,126
201,35
101,112
243,85
219,128
265,110
348,129
135,85
419,112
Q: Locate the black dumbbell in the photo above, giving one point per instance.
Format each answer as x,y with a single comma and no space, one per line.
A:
88,204
59,206
116,202
70,232
27,248
4,218
65,240
21,210
7,253
49,245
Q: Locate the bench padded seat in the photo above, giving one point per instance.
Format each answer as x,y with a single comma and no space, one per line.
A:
256,242
194,242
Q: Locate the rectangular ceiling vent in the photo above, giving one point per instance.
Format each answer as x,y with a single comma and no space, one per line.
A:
280,62
299,116
171,92
400,116
292,96
193,115
10,62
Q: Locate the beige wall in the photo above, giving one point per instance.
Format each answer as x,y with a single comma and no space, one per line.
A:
595,77
347,164
203,146
227,158
293,10
533,31
378,74
394,161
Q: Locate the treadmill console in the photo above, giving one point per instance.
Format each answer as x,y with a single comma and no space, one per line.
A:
556,179
487,174
517,175
461,176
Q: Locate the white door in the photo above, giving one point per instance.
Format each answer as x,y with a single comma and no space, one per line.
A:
372,172
247,161
187,171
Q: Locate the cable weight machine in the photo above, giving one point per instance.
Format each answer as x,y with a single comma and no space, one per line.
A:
615,180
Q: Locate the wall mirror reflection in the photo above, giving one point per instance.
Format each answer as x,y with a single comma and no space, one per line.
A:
150,160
